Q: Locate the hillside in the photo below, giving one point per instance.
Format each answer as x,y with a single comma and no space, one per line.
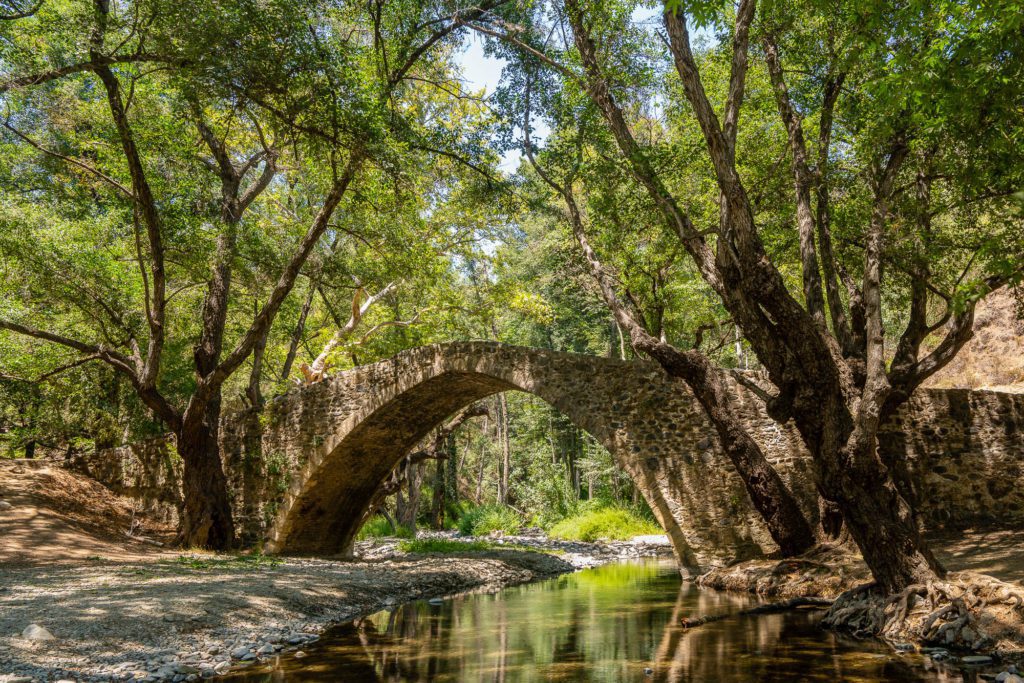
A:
994,358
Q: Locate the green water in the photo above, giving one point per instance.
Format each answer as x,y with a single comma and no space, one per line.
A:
615,623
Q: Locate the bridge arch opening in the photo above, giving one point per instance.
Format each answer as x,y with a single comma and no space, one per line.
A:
324,516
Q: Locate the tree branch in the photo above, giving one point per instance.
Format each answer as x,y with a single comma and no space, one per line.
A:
286,280
74,162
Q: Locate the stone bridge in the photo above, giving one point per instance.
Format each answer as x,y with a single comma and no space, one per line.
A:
303,471
342,437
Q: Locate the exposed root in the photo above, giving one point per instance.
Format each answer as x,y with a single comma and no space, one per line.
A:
967,611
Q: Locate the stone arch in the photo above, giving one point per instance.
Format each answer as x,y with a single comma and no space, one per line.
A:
347,434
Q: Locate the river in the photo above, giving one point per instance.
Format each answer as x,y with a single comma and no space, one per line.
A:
615,623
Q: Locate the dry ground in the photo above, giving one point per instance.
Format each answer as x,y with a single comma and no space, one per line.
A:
59,517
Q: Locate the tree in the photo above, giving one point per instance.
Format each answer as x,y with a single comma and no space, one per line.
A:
262,87
824,351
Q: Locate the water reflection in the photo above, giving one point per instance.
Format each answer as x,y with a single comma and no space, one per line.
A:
615,623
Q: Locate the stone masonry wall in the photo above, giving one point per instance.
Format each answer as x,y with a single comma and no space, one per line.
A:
148,471
302,471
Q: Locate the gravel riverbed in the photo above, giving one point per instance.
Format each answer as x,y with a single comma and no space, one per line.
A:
194,617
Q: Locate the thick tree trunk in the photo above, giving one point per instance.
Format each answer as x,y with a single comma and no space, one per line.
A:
771,498
883,526
876,515
206,518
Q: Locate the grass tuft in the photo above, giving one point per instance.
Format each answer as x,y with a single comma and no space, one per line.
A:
229,562
378,527
442,545
447,546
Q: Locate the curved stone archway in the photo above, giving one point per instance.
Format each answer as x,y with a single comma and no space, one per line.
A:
342,437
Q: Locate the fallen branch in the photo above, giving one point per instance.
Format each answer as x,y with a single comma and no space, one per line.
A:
143,539
792,603
769,608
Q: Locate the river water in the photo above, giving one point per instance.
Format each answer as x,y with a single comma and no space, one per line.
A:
615,623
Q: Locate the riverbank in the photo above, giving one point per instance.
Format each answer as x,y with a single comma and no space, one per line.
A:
194,616
978,608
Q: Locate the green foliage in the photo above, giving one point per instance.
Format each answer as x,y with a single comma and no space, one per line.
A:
378,527
440,545
603,522
482,520
252,562
454,546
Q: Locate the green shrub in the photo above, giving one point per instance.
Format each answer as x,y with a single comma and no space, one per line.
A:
445,545
603,522
441,545
378,527
487,518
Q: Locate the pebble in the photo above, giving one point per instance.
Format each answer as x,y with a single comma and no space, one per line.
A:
36,632
976,659
4,505
1007,677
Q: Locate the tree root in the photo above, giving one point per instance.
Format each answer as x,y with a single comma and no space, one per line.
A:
967,611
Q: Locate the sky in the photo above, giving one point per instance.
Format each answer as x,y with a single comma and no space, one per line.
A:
482,71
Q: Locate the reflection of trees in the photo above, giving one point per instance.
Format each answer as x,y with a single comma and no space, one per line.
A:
776,647
601,626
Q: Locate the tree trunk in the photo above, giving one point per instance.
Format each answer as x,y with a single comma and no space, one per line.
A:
505,465
437,502
483,461
407,506
769,494
206,518
878,518
300,328
451,483
253,392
